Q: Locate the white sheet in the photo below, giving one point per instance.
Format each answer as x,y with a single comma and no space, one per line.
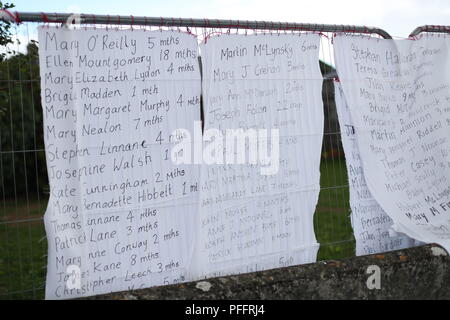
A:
250,220
118,217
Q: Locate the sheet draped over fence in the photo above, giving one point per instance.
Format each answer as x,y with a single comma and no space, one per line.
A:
371,225
398,94
249,219
120,214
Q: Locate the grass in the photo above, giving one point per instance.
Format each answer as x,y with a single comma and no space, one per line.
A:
332,217
22,249
23,245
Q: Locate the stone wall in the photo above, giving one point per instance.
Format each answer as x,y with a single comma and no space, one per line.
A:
415,273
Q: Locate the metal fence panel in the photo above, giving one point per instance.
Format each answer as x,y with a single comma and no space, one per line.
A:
23,174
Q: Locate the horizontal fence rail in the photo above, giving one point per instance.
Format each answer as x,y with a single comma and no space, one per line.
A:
430,28
64,18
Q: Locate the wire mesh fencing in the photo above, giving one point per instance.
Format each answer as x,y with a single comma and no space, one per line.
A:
23,176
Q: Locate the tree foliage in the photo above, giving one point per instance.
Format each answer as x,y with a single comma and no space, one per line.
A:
5,29
22,168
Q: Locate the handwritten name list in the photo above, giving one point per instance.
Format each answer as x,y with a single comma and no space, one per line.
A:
398,94
371,225
120,212
250,220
